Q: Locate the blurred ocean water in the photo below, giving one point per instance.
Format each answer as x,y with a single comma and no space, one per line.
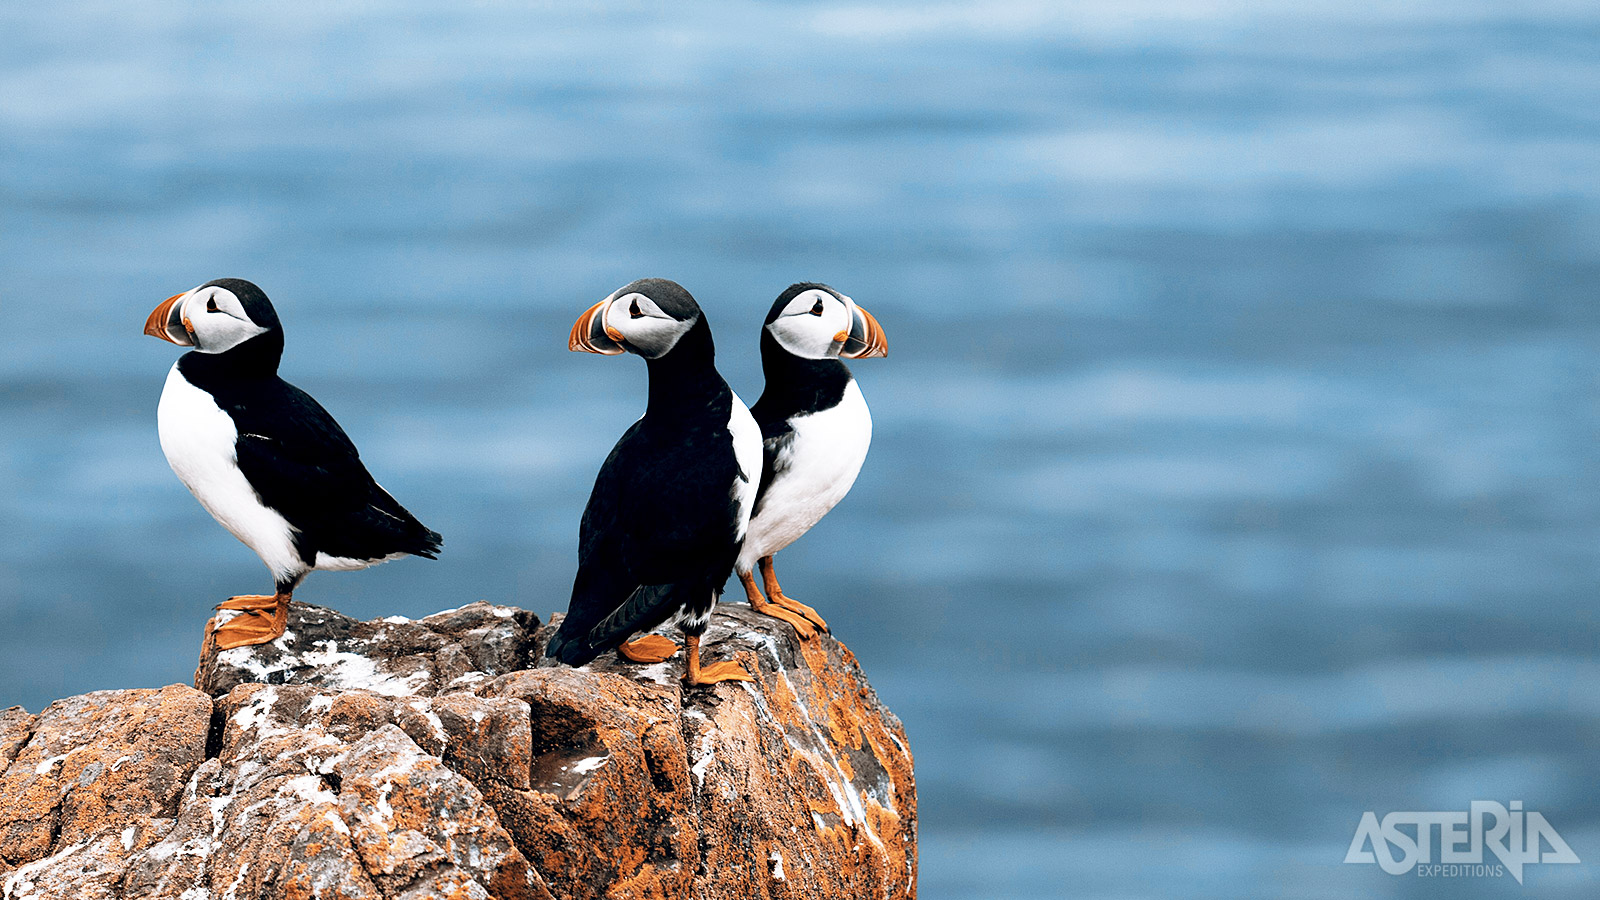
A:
1235,462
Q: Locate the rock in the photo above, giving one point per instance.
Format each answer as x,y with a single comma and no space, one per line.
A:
317,793
15,726
97,779
392,759
446,651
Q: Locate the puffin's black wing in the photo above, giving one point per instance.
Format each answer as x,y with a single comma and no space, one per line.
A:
303,465
605,582
657,529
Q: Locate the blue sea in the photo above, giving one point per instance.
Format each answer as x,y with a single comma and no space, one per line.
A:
1236,465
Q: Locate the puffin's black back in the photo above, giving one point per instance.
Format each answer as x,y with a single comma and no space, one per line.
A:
659,532
293,453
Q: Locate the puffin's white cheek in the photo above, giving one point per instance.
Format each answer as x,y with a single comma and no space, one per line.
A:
652,336
219,332
806,336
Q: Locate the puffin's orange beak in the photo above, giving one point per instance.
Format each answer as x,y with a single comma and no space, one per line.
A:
590,335
866,338
161,324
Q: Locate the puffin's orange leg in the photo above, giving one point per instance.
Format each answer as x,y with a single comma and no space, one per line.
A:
789,603
255,624
649,648
722,671
760,605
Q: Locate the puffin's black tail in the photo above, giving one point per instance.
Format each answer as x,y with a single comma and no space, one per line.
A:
390,521
429,545
645,609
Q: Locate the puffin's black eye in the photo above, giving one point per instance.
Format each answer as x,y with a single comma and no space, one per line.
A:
633,309
816,310
211,304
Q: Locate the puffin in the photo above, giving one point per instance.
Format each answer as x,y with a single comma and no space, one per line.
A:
265,459
815,430
672,501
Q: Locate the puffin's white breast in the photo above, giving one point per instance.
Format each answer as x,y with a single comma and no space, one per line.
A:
816,470
747,451
198,440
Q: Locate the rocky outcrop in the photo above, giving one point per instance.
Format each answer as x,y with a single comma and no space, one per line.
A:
393,758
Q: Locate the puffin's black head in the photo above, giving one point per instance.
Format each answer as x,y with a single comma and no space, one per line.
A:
814,321
647,317
217,317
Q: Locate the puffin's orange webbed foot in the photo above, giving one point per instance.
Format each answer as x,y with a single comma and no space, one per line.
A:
694,675
650,648
801,626
799,608
722,671
259,621
760,605
775,592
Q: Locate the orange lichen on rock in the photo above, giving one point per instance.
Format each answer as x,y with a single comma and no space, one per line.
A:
812,711
97,778
443,759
